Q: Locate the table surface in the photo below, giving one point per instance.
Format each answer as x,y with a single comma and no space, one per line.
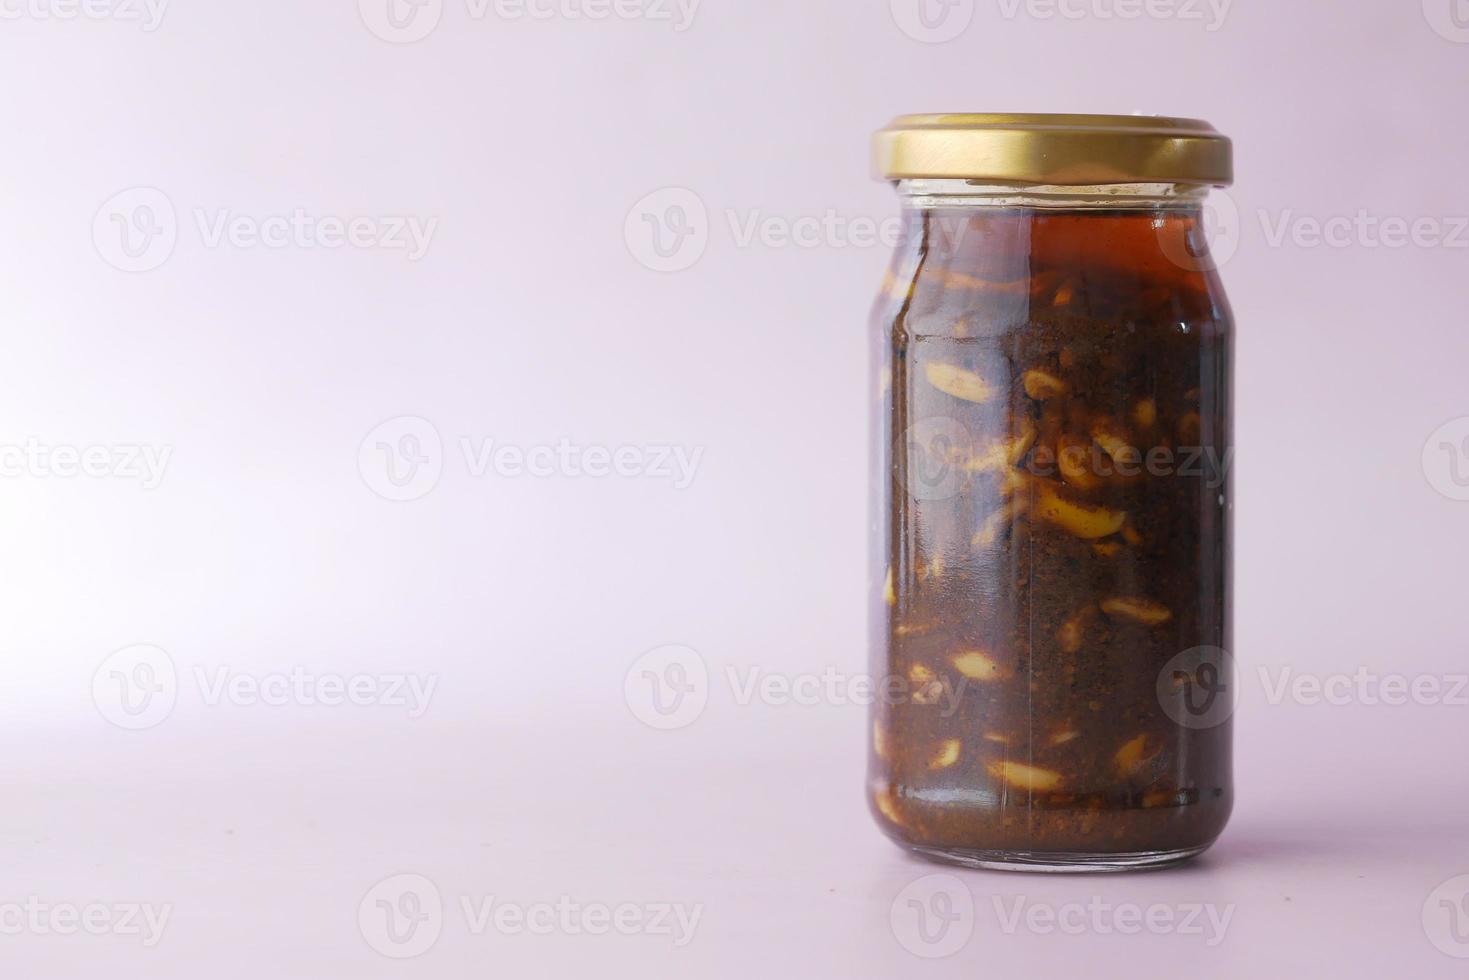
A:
589,843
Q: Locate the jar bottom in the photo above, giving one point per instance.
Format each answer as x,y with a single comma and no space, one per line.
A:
1059,862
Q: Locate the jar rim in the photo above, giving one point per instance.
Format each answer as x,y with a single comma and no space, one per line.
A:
950,193
1054,149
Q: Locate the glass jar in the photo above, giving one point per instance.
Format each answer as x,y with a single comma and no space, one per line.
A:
1051,588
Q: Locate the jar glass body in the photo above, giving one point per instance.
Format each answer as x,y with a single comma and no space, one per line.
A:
1051,507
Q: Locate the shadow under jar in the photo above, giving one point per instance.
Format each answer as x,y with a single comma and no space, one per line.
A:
1051,597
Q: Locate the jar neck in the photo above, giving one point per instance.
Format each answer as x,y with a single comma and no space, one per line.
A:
1158,231
949,193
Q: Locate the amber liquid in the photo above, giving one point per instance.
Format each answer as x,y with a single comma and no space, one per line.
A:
1053,503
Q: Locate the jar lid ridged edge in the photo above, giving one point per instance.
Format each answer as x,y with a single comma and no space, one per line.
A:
1061,149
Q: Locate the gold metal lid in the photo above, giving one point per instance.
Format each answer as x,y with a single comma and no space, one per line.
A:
1042,148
